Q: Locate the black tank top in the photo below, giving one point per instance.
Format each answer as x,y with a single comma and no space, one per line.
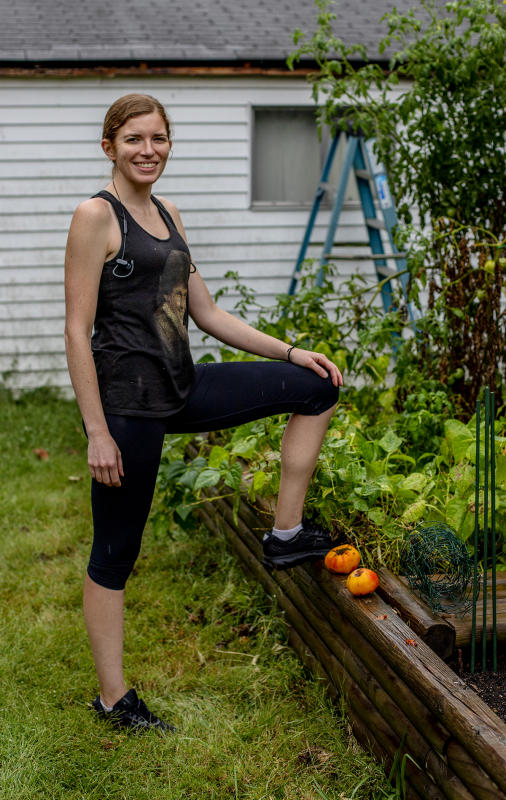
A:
140,340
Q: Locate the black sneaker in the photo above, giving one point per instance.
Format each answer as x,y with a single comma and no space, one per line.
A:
309,544
131,712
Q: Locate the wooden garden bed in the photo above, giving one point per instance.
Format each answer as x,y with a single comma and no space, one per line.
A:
399,692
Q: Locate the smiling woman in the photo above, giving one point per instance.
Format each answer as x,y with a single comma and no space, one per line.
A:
130,279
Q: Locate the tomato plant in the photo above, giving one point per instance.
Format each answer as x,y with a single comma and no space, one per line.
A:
437,115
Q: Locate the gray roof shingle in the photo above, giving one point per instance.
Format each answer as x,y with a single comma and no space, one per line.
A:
187,31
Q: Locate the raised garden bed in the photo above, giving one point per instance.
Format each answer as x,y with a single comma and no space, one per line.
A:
401,695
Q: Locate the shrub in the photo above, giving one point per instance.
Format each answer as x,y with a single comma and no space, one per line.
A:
440,135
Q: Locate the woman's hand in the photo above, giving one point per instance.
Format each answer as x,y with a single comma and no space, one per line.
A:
104,459
319,363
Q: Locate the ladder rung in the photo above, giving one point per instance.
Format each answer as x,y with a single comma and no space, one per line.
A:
386,272
351,244
363,173
374,222
364,256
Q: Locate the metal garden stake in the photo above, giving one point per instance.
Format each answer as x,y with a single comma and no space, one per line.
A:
488,468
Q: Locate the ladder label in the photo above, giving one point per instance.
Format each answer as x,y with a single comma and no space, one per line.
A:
375,166
384,196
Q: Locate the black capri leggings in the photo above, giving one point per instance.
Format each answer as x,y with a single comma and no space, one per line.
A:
222,396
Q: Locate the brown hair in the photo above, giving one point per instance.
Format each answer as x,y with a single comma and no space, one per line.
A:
128,106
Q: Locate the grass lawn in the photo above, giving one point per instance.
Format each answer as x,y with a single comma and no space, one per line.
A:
203,648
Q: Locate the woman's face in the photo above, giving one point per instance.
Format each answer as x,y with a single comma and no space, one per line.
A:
140,148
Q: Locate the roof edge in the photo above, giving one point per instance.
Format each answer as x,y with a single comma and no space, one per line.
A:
80,69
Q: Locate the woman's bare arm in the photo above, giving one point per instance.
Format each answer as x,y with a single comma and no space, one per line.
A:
88,246
237,333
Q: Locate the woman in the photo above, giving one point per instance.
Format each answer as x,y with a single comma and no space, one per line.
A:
129,276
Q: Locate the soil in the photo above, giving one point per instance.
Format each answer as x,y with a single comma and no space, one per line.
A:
489,685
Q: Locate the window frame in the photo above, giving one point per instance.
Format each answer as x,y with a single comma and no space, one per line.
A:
287,205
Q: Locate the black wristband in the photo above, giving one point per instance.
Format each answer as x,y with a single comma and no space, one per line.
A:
288,352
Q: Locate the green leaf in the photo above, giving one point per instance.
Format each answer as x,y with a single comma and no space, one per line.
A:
404,457
453,428
358,503
325,349
377,515
460,439
259,480
471,448
246,448
353,473
233,476
467,526
462,475
500,469
208,477
390,442
455,512
415,482
366,449
464,448
384,484
335,444
218,456
198,463
368,489
188,478
375,467
378,367
183,510
387,399
414,512
173,471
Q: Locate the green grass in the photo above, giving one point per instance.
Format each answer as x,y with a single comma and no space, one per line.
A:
202,646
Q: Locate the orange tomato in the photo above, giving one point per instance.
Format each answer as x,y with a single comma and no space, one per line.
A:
343,559
362,581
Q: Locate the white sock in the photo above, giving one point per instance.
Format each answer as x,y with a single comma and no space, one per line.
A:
286,535
106,708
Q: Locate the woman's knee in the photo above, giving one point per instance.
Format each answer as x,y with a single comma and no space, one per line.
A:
117,534
110,575
113,555
326,397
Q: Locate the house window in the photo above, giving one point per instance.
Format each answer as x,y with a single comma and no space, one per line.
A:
288,157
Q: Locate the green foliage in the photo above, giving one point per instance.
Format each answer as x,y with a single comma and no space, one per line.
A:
336,320
438,119
370,481
391,459
441,137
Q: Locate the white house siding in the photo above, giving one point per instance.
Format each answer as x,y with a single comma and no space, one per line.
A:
50,160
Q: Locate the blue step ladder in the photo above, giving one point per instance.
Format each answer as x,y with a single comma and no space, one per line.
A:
370,176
